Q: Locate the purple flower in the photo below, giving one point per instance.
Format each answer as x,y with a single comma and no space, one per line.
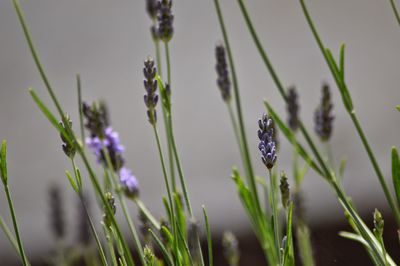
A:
129,182
112,140
112,143
267,144
95,144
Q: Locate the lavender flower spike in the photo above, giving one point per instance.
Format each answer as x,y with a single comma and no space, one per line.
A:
150,84
223,81
129,182
323,115
293,108
165,19
267,144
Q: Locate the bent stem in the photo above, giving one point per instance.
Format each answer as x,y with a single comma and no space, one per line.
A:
246,153
341,85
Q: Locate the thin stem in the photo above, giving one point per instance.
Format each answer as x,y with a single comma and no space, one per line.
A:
171,205
260,48
275,212
158,56
237,136
170,154
396,13
92,175
170,148
147,213
167,57
124,207
340,83
376,167
246,152
110,245
178,165
36,58
79,87
15,224
9,235
93,229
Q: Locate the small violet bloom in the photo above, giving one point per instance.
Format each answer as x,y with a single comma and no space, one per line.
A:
129,182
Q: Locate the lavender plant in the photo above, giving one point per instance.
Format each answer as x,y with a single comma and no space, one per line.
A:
273,218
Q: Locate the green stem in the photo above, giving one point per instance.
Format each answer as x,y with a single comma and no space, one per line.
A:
396,13
93,229
167,57
339,82
147,213
171,205
260,48
246,152
158,56
275,213
237,136
15,224
178,165
124,207
92,175
170,155
170,148
110,245
9,235
376,167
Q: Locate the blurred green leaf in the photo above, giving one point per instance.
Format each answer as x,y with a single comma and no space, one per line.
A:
396,173
71,181
209,238
162,248
288,257
342,47
3,162
398,108
50,116
342,167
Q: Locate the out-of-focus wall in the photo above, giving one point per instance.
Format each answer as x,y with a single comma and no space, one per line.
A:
106,43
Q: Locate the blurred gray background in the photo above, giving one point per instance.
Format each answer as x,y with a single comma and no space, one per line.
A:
106,43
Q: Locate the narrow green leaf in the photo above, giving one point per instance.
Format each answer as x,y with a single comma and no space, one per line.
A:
398,108
292,139
78,178
342,167
185,247
396,173
347,101
209,238
165,99
9,235
289,252
49,115
71,181
180,214
162,248
342,47
3,162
